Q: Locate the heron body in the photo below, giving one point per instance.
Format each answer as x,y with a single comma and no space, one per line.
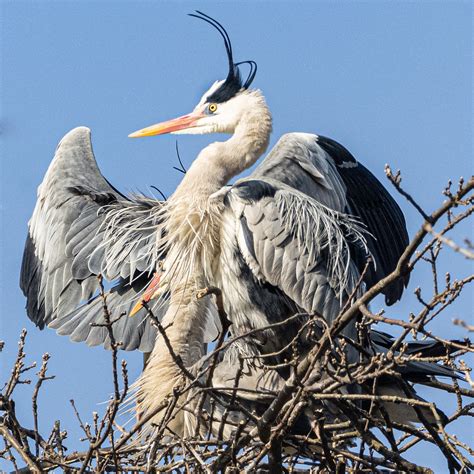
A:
291,238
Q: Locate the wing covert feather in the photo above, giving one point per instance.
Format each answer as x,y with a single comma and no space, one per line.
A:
324,170
308,259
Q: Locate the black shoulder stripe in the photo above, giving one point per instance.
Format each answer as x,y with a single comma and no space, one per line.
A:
101,198
254,190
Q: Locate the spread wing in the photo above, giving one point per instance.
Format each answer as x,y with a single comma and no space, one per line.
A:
326,171
83,227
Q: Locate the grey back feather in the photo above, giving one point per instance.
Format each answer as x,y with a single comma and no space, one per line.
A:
326,171
293,230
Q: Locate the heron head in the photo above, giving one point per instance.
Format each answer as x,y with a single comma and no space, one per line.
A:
222,107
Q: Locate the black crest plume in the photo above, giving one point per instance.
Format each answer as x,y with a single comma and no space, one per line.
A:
233,82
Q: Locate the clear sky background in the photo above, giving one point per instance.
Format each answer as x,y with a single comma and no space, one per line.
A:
392,81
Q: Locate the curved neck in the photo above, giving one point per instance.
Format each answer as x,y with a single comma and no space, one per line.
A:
220,161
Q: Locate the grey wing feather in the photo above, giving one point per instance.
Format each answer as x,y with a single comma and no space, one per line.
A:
298,244
68,245
414,370
326,171
297,161
86,323
57,209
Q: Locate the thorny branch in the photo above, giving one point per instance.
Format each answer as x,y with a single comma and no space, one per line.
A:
351,430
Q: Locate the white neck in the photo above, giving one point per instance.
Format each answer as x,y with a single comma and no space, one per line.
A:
220,161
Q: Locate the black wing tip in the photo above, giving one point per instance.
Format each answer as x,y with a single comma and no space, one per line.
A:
339,153
29,283
389,229
26,270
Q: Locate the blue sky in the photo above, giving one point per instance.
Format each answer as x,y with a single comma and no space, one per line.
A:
392,81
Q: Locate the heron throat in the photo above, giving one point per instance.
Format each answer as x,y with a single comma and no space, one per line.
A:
194,211
219,162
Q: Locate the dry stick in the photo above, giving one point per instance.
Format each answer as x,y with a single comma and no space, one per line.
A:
365,460
450,243
58,438
212,404
176,357
113,343
453,465
230,405
18,367
461,444
240,428
396,180
11,457
460,322
294,409
374,443
325,445
17,429
372,406
113,407
143,420
467,373
85,428
18,433
41,378
383,398
225,324
192,451
168,414
31,463
443,300
386,398
416,327
274,456
452,222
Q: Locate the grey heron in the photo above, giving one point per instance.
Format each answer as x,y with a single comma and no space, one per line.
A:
291,238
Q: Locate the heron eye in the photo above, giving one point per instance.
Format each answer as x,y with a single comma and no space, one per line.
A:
212,108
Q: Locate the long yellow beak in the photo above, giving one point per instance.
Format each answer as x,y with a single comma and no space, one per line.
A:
180,123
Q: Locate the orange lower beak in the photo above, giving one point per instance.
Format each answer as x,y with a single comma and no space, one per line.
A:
148,295
180,123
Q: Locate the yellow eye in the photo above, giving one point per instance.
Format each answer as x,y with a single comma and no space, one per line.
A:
212,108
